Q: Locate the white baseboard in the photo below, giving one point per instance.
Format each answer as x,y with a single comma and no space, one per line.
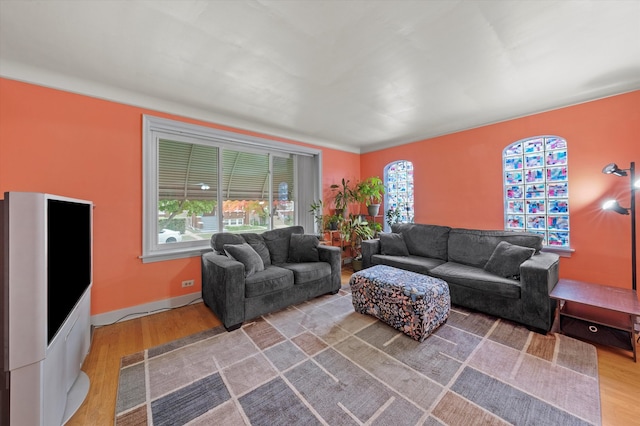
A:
143,310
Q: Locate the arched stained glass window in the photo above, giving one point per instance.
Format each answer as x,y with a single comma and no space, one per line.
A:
536,191
398,182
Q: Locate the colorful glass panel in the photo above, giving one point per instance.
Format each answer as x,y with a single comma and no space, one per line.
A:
536,169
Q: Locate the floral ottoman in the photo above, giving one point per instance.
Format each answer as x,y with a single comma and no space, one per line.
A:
413,303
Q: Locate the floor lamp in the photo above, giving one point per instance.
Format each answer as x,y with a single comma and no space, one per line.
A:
613,169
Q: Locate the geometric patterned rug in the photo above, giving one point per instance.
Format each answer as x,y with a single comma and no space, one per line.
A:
321,363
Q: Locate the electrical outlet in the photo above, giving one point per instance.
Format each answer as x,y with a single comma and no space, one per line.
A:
188,283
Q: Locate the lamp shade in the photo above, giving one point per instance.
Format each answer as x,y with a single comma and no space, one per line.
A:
612,168
615,206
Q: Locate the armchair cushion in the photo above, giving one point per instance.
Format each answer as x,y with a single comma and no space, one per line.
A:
393,244
507,258
303,248
246,255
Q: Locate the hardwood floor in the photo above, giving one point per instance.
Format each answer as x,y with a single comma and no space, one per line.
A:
112,342
619,375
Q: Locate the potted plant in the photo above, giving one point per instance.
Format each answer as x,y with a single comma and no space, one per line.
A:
317,210
353,230
371,191
344,195
333,221
392,216
376,228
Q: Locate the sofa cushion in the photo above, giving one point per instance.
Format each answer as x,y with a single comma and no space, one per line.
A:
277,241
476,278
246,255
474,247
507,258
424,240
308,271
303,248
393,244
269,280
419,264
220,239
257,242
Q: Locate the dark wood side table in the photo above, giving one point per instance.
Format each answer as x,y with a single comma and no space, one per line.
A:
598,313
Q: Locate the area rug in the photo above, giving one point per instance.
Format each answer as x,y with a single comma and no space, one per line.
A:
320,363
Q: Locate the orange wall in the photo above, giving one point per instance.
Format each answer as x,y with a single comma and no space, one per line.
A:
458,179
77,146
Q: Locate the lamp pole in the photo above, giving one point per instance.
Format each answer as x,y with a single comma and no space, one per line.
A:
632,174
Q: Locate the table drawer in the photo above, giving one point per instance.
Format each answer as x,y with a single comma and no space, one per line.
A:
597,333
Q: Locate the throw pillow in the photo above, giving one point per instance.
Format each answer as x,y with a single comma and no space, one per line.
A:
506,259
263,251
219,240
257,242
393,244
246,255
303,248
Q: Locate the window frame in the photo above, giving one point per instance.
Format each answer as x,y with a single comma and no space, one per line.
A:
156,128
386,227
562,250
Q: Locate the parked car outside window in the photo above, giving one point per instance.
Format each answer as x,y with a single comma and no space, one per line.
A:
169,236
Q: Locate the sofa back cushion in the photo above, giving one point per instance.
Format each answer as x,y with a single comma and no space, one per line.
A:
220,239
303,248
474,247
424,240
393,244
277,241
257,243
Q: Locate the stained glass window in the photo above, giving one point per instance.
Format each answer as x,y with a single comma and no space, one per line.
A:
398,180
536,192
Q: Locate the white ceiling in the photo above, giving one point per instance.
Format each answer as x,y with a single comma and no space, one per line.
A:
356,75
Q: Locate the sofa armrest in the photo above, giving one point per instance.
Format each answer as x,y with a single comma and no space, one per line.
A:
333,256
369,248
538,276
223,288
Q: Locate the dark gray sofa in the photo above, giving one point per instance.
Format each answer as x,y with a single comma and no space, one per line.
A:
295,269
478,278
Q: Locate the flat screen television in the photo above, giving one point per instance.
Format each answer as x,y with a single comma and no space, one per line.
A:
47,269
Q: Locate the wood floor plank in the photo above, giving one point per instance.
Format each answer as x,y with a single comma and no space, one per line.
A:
619,376
619,379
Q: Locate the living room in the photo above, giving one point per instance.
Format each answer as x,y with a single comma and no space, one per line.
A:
103,163
74,144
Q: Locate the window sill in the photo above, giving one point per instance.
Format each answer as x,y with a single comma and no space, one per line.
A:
173,254
562,252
